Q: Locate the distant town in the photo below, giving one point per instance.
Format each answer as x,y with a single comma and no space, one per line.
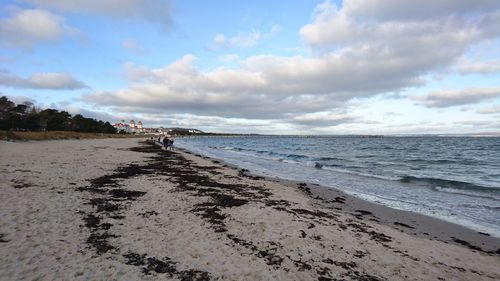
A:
139,128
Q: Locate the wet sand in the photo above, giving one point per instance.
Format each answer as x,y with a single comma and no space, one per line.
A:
123,210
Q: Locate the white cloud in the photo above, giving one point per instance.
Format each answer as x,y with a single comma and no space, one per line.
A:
264,86
136,73
480,67
323,119
245,40
132,46
479,124
210,123
98,115
414,10
275,29
26,28
156,11
20,99
458,97
219,39
47,80
490,110
353,58
335,28
228,58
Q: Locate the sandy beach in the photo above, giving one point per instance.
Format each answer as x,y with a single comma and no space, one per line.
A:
123,209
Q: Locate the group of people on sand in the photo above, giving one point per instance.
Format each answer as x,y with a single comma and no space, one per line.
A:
167,142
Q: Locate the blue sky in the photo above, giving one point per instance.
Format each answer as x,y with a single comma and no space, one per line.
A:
294,67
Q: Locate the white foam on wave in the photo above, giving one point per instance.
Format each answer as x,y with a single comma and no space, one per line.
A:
465,192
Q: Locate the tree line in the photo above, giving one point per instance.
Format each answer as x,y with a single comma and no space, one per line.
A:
27,117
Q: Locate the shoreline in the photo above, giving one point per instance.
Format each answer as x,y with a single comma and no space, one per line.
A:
127,210
391,172
421,225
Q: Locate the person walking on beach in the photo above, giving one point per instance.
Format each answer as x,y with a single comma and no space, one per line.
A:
171,143
166,142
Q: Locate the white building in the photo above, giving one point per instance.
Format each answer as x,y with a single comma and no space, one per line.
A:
122,126
131,127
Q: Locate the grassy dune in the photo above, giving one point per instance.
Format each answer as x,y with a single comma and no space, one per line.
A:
59,135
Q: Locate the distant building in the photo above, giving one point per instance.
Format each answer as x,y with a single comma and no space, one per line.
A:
131,127
138,128
122,127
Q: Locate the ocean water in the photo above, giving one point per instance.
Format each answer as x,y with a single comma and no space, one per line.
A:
452,178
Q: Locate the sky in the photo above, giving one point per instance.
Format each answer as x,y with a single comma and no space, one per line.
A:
269,67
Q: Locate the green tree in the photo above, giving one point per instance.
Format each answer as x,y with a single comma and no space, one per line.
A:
56,120
26,116
5,106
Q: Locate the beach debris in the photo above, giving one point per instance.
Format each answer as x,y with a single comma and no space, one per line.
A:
467,244
304,188
164,265
363,212
20,184
403,225
148,214
2,240
110,199
338,199
360,254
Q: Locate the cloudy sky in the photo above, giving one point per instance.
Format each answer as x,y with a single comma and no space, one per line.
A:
278,67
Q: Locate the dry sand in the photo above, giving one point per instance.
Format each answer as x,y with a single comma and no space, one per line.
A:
123,210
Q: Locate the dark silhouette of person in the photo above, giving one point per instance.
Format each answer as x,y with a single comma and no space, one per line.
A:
166,142
171,144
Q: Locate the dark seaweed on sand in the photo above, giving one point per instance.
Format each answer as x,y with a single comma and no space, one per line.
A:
110,198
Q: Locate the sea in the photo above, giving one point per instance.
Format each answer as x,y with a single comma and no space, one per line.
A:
456,179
